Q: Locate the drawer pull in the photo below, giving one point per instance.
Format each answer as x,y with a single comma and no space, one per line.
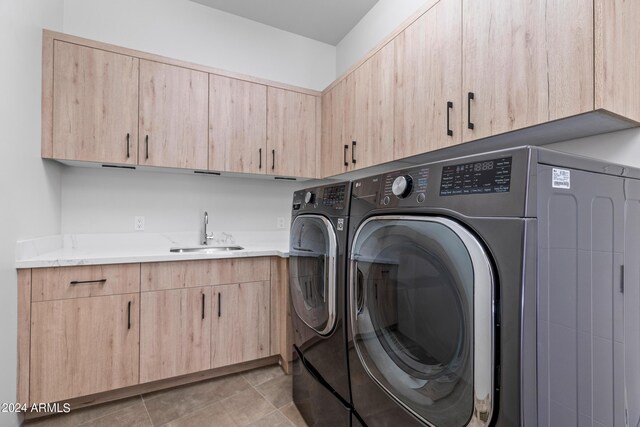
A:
344,155
273,159
129,315
353,152
219,303
202,306
128,146
81,282
260,155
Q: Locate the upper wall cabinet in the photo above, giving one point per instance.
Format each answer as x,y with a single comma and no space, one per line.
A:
338,128
94,99
374,93
291,133
237,125
527,63
173,116
428,113
107,104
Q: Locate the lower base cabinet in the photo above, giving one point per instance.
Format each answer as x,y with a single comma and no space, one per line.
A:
83,346
240,330
175,338
94,329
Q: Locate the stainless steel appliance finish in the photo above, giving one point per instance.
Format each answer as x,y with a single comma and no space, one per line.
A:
471,297
317,270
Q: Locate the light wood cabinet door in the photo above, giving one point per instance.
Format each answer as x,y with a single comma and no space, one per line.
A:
175,333
338,128
237,125
241,323
373,114
83,346
428,93
95,105
525,63
174,104
291,133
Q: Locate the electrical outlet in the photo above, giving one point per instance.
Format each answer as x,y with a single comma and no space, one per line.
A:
138,224
281,223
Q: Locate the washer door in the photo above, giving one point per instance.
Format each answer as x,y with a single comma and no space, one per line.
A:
312,270
422,316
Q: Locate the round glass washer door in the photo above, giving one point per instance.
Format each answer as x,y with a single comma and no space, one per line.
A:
421,307
312,272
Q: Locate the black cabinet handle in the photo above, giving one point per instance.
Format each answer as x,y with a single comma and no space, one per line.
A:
344,155
449,107
129,315
273,161
203,306
353,152
219,304
146,146
128,145
81,282
470,97
260,157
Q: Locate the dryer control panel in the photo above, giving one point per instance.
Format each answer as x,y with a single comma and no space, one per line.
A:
407,187
331,199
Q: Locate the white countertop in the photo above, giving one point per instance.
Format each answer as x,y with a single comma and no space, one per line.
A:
92,249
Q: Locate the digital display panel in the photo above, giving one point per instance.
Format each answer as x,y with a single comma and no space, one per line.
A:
487,176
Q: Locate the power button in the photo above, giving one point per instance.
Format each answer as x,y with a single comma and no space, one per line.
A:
386,200
420,198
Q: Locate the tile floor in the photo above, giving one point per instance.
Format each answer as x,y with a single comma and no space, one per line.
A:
259,398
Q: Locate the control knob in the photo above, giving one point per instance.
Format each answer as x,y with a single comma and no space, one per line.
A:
402,186
309,197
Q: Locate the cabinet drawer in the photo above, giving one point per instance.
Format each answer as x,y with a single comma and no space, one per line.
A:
84,281
185,274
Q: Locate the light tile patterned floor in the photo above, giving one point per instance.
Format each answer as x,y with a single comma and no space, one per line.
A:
259,398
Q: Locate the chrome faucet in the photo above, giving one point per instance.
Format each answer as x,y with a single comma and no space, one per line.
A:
206,236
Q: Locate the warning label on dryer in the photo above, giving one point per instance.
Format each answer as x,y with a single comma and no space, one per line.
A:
561,178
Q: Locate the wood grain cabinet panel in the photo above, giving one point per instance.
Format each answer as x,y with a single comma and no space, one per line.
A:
95,105
526,63
175,333
338,127
84,281
241,323
428,69
182,274
372,142
291,133
83,346
174,103
237,125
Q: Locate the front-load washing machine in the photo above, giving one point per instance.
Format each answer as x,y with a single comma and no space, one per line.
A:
317,283
486,290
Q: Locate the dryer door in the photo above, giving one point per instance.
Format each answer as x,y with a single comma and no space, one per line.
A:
422,316
312,271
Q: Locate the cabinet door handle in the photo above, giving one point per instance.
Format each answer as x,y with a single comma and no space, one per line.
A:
129,315
353,152
219,304
470,97
81,282
344,155
260,157
146,147
449,107
273,160
128,146
203,306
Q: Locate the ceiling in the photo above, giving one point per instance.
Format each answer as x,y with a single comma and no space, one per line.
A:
327,21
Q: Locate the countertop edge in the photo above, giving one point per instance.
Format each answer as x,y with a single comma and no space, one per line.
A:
134,259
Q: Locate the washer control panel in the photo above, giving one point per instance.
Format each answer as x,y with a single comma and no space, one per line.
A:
328,199
482,177
407,187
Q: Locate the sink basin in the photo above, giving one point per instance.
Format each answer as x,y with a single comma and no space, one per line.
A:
206,249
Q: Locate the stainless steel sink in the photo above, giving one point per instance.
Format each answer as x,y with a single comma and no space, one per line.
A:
206,249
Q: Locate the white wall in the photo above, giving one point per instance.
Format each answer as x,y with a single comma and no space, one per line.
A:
378,23
186,30
106,201
29,187
621,147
